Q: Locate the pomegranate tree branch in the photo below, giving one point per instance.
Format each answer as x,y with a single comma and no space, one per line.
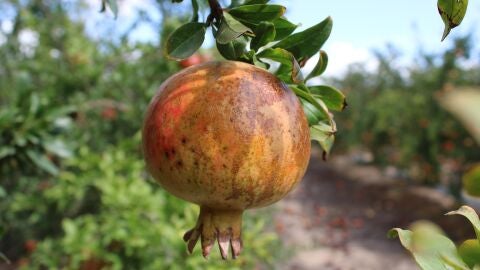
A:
216,11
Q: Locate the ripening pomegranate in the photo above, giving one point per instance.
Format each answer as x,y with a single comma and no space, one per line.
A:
227,136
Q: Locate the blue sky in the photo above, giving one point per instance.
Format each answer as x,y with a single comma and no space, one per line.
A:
359,26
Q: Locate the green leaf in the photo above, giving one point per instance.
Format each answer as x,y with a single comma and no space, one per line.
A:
283,28
112,4
322,113
255,14
255,2
333,98
452,13
3,194
234,49
471,215
264,34
324,134
287,60
463,104
58,147
6,151
311,112
470,252
320,67
195,11
430,249
230,29
251,57
184,41
42,162
305,44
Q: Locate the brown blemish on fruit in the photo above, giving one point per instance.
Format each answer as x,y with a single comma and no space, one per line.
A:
179,164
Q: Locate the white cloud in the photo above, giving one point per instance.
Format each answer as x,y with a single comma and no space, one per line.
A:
342,54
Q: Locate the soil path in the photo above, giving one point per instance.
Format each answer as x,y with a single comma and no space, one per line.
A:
337,219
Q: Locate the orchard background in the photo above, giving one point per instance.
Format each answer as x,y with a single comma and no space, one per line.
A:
74,193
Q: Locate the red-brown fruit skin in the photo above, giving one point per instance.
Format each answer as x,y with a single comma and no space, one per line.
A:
226,135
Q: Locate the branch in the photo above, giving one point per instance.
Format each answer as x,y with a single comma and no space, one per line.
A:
216,11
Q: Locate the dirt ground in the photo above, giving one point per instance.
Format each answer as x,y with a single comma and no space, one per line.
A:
338,218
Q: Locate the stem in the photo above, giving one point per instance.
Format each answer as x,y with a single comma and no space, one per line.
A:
216,11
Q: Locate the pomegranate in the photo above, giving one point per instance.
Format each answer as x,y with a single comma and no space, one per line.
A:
227,136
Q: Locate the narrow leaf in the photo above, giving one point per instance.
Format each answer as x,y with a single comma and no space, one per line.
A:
333,98
42,162
113,6
230,29
255,2
323,113
471,215
257,13
184,41
264,34
287,60
305,44
283,28
320,67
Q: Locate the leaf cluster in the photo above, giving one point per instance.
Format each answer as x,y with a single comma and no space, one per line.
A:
257,32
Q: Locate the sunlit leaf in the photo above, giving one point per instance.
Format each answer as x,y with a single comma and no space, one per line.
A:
471,215
287,60
463,103
305,44
184,41
333,98
430,249
256,2
257,13
230,29
324,135
452,13
283,28
320,67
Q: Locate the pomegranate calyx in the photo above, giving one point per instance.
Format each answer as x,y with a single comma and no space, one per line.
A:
223,226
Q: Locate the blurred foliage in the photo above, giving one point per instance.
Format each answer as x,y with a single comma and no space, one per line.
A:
432,249
394,112
471,181
73,190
